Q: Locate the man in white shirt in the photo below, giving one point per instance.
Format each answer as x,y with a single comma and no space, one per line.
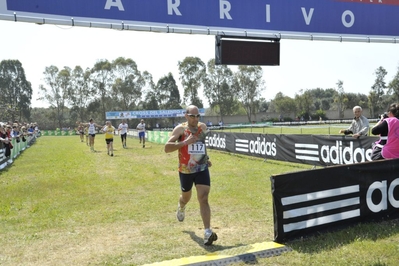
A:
122,128
141,129
359,126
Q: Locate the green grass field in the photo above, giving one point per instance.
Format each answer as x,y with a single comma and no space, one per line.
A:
61,204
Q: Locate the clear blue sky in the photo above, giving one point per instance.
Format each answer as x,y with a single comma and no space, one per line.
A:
303,64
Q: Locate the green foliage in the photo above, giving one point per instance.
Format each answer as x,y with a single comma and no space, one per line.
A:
284,104
15,91
218,89
192,72
248,86
320,113
167,93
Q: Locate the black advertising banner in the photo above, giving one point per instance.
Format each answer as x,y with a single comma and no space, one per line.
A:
323,199
322,150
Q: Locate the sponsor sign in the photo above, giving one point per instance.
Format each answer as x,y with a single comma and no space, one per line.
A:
326,199
307,149
273,17
148,114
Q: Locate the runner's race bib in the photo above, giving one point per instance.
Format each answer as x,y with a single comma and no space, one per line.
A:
196,148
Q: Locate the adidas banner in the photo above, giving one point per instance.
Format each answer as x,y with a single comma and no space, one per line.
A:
308,149
312,201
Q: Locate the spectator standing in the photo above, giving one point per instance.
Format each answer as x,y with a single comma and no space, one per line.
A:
15,134
141,129
387,147
5,139
122,128
188,139
359,126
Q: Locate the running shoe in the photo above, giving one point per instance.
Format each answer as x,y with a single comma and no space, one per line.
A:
209,237
180,213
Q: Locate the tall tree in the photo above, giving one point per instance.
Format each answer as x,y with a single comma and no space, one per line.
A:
218,88
80,93
376,102
128,83
283,104
192,71
167,93
304,103
15,91
101,76
340,98
56,91
248,86
394,87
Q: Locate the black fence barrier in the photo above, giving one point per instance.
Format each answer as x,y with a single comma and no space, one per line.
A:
323,199
317,150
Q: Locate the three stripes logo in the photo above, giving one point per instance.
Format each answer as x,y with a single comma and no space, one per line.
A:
242,145
309,152
320,208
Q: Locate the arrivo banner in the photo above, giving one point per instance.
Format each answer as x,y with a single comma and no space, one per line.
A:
318,17
317,150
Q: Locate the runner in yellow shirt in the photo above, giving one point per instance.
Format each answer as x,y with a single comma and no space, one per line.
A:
109,131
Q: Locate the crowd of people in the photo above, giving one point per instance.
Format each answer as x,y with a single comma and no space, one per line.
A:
17,131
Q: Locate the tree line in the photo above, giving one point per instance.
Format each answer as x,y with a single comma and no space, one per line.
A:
118,85
314,102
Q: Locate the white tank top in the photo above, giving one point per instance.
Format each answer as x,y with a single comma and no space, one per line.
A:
92,128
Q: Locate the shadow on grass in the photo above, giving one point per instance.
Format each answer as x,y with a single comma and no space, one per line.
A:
324,241
212,248
238,253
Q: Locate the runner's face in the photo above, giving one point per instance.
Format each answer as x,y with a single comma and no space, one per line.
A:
193,117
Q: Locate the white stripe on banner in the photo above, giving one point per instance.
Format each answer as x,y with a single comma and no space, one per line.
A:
308,158
320,195
242,145
303,150
307,152
321,220
304,145
321,207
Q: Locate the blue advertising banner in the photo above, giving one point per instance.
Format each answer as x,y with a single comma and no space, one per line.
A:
148,114
338,17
